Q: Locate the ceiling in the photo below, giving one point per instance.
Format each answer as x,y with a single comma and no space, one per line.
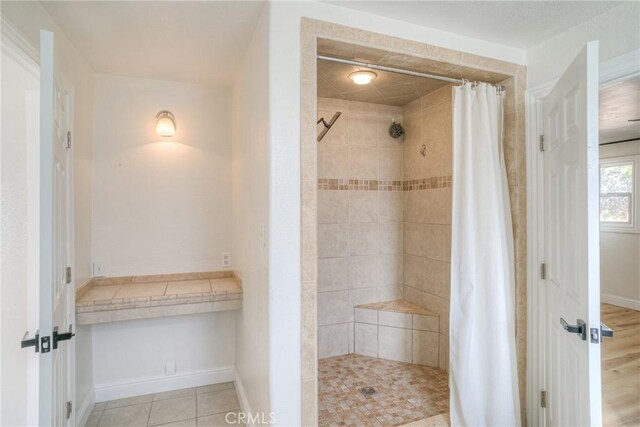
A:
520,24
619,103
195,42
388,88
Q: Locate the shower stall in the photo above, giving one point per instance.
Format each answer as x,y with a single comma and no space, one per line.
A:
384,224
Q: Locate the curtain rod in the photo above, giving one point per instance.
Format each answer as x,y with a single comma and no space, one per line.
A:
619,142
395,70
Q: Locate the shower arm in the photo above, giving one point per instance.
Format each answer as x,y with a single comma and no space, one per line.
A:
326,125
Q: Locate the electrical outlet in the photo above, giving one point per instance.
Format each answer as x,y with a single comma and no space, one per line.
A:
170,367
98,269
226,260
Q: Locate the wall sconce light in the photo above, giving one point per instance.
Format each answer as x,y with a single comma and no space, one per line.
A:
165,124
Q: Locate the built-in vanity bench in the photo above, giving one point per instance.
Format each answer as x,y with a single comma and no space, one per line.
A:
112,299
397,330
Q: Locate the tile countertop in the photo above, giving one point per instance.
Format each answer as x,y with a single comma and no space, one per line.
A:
102,303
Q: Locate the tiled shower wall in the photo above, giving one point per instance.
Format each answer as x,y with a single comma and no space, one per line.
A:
359,217
427,207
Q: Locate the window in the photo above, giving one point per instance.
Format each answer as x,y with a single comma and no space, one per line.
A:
617,194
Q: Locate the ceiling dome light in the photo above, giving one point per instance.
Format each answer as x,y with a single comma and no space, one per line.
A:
166,124
362,77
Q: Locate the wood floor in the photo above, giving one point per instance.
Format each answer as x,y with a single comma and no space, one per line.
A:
621,367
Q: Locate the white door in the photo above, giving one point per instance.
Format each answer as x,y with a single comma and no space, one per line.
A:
571,240
56,286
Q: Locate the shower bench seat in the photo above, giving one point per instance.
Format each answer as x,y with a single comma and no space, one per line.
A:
112,299
397,330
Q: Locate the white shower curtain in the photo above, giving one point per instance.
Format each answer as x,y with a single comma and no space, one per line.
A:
483,367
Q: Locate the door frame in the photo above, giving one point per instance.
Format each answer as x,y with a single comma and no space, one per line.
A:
611,71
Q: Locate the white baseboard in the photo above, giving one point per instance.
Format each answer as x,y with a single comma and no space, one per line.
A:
84,408
104,392
242,394
633,304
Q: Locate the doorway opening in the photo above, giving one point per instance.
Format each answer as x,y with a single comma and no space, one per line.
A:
383,215
620,250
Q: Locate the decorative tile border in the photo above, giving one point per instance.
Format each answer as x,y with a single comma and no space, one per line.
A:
427,183
375,185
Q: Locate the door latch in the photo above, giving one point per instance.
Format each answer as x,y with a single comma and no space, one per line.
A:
580,328
61,337
31,342
598,333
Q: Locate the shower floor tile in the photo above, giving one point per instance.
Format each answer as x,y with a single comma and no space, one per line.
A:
404,392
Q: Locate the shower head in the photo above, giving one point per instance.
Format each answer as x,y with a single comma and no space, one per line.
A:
327,126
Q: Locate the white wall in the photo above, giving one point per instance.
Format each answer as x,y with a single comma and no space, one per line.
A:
29,18
159,206
250,153
129,358
618,31
284,131
620,252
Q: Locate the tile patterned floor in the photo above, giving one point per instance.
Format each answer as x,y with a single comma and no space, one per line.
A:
192,407
405,392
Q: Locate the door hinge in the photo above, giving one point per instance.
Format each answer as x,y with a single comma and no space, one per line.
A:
67,144
69,409
543,271
543,399
67,275
541,142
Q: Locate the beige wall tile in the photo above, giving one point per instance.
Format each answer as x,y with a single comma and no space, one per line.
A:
425,348
362,109
333,274
363,206
414,239
435,204
390,238
332,240
390,205
333,104
332,162
363,271
363,131
394,343
362,296
389,293
413,270
434,98
437,240
440,306
333,206
436,277
363,239
363,163
443,357
334,307
426,323
412,295
333,340
390,269
364,315
390,164
366,339
395,319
